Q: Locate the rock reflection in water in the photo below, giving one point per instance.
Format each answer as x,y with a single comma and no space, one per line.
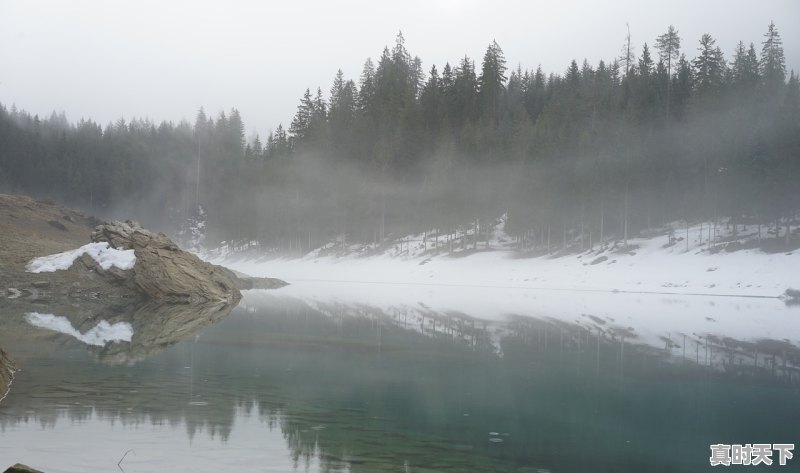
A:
159,326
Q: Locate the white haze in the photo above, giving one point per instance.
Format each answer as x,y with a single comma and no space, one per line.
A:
163,60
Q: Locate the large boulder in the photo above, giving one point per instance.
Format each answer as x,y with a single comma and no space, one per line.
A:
164,272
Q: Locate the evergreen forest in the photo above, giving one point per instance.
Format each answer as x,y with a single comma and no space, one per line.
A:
668,130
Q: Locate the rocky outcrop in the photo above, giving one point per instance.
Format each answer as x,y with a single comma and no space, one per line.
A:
6,373
30,229
164,272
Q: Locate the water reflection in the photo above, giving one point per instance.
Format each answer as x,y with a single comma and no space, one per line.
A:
323,384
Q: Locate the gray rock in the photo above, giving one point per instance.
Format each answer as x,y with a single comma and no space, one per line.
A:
20,468
57,224
164,272
599,259
244,282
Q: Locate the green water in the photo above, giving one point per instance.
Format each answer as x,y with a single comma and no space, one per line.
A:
281,386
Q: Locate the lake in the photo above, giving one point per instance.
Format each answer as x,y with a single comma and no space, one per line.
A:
316,378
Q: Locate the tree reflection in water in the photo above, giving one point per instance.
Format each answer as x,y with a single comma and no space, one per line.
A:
360,388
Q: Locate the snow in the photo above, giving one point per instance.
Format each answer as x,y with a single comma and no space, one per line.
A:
102,333
662,289
192,232
651,265
104,255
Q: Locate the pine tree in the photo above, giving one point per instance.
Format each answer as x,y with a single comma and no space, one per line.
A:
491,83
669,45
645,62
431,102
573,74
258,148
709,67
337,88
465,90
682,85
302,122
534,93
744,68
644,85
236,133
342,112
366,90
773,63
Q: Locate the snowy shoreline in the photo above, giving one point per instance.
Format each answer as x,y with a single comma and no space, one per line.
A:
663,292
650,266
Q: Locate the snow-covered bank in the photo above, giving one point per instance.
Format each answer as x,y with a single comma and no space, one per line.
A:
660,265
101,252
661,292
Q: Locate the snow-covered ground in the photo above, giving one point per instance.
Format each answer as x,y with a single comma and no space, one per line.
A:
659,264
661,292
104,255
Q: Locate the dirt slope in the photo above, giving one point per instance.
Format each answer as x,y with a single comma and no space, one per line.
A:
30,228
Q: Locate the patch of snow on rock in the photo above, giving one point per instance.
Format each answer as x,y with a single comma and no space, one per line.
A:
104,255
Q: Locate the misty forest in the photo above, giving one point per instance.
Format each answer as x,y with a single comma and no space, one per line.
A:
669,130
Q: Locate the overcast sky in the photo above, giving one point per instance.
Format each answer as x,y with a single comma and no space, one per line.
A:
163,59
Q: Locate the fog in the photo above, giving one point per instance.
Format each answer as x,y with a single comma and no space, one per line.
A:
105,60
440,234
587,152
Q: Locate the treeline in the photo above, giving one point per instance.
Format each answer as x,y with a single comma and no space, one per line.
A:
595,152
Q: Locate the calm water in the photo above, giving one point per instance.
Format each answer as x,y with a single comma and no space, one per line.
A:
291,384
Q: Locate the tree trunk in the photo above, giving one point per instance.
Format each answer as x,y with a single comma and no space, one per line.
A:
602,219
700,242
625,219
687,236
788,231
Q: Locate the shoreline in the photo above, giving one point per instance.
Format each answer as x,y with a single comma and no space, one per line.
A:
538,288
743,274
653,264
